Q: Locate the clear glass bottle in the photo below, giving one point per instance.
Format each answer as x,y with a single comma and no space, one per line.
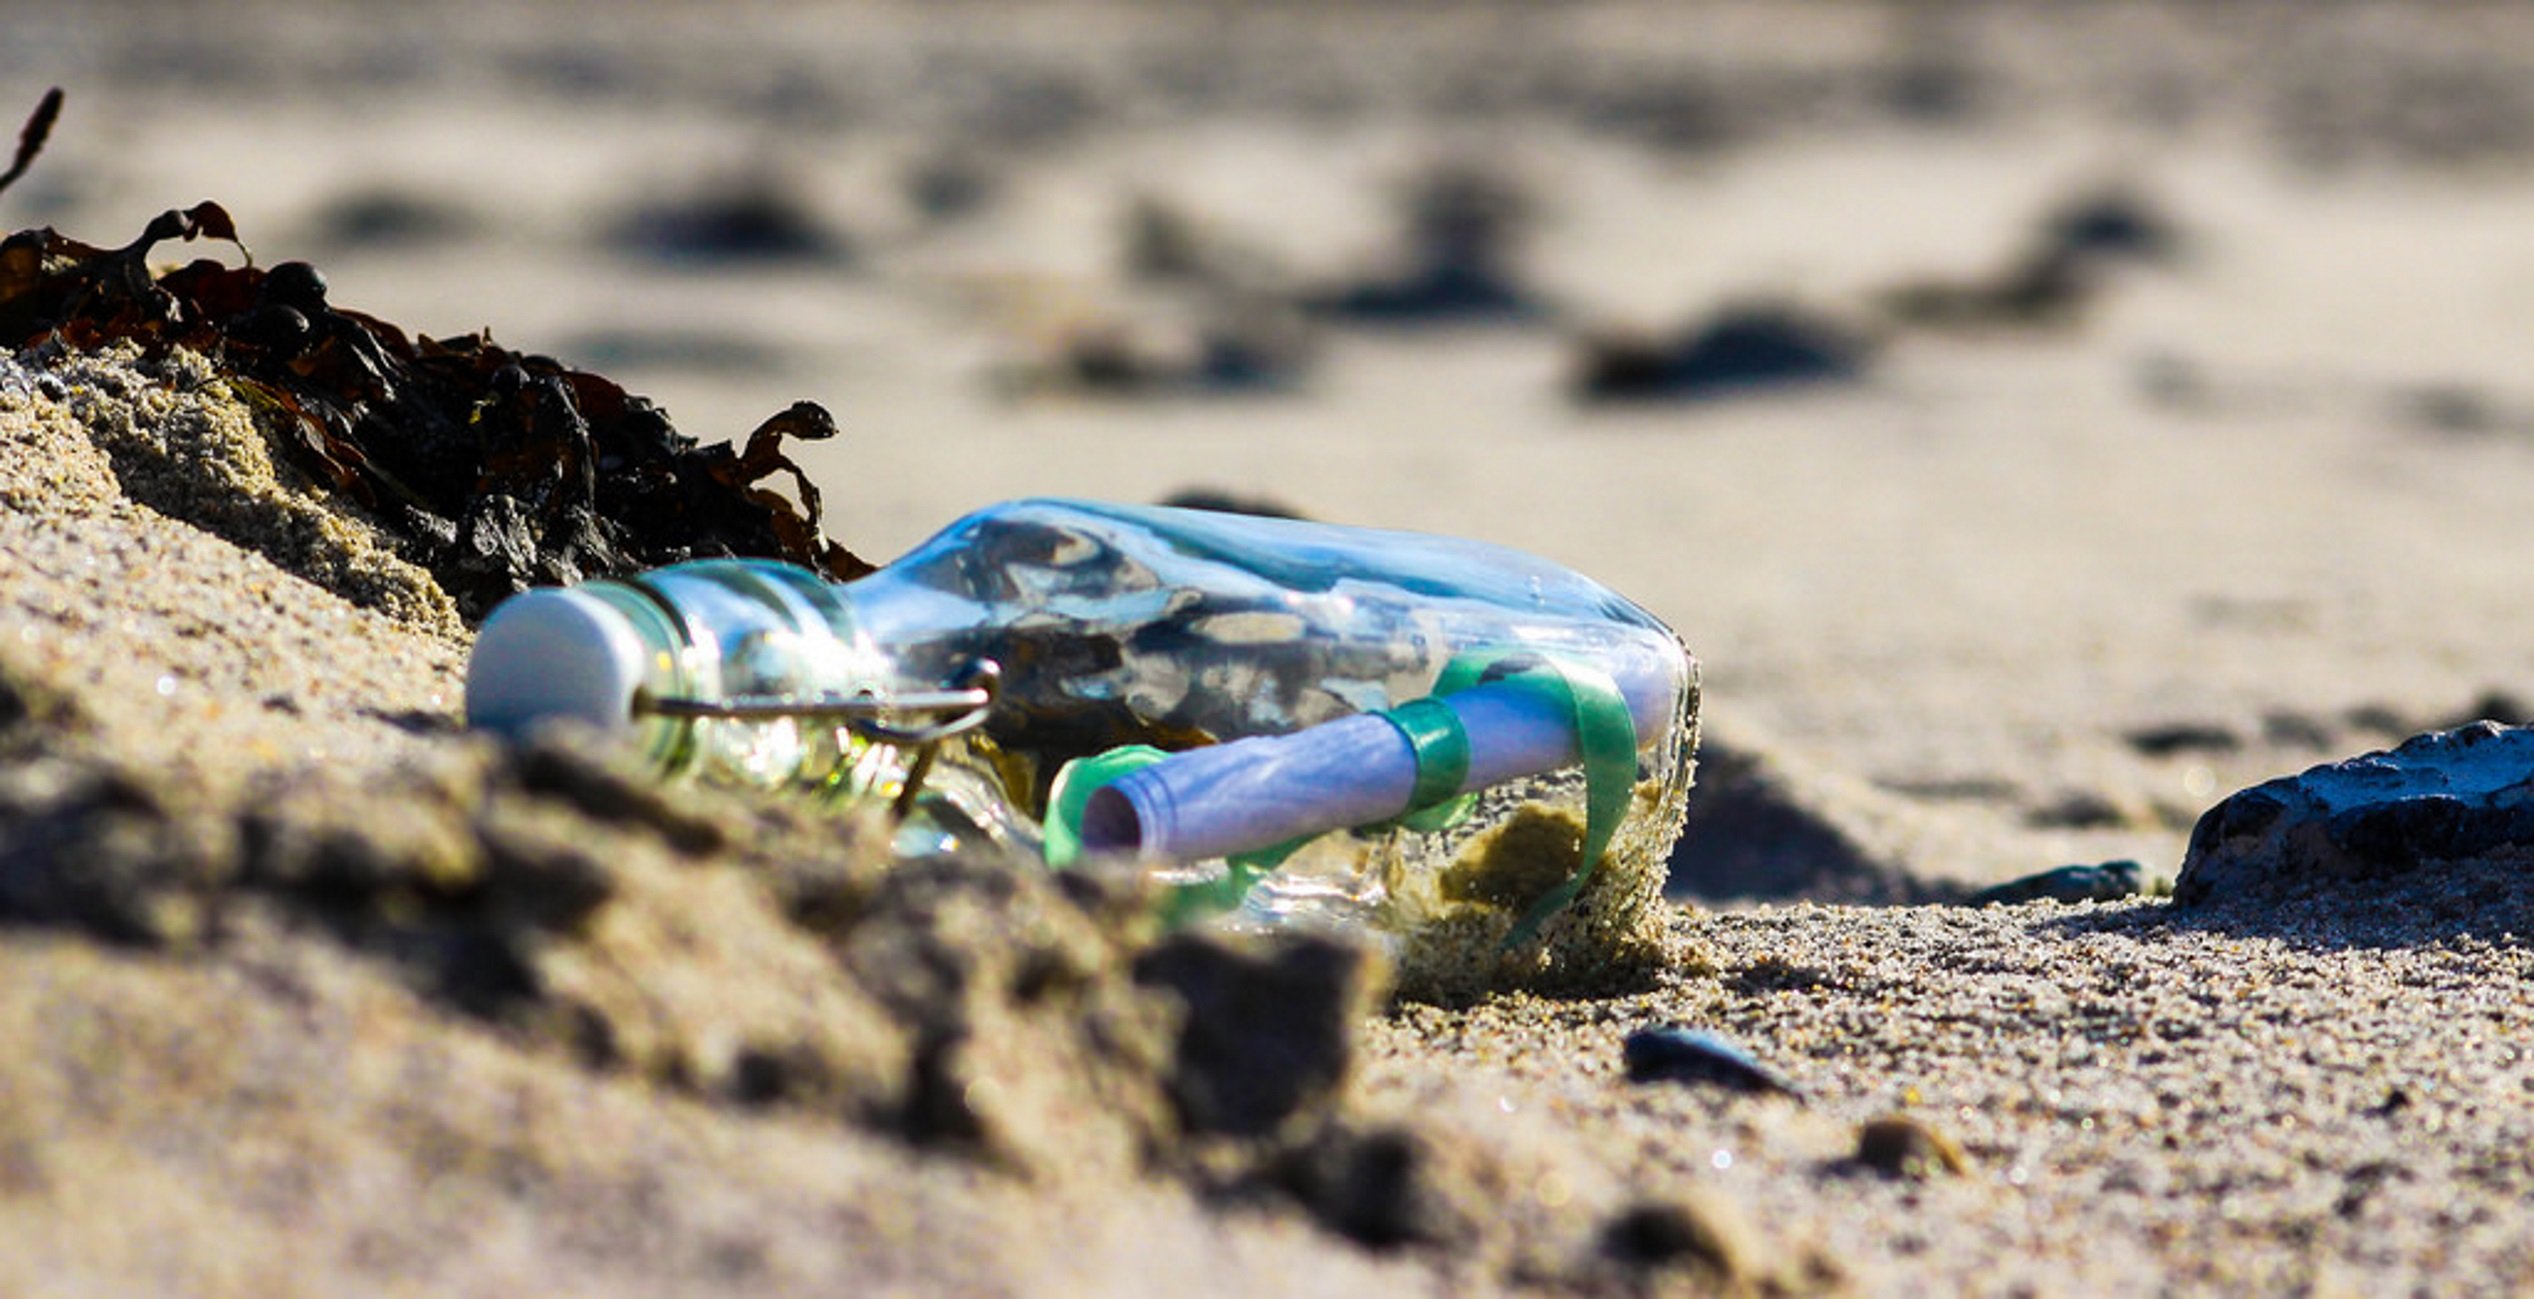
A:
1032,634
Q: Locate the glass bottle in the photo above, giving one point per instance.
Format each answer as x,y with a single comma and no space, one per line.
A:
960,680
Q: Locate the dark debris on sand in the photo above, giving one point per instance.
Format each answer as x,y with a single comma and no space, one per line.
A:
1464,226
2057,277
1742,348
1236,349
757,219
498,470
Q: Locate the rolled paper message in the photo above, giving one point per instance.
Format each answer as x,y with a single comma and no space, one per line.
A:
1251,794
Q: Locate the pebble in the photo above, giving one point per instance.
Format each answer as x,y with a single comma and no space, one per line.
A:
1897,1145
1669,1053
2107,882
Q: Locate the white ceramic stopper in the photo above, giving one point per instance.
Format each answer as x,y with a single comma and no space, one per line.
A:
554,653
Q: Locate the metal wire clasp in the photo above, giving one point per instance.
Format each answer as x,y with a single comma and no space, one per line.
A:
963,706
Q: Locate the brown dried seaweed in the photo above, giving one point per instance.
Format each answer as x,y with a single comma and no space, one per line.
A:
31,137
497,470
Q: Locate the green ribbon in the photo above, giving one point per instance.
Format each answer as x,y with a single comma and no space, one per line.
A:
1606,745
1070,795
1076,782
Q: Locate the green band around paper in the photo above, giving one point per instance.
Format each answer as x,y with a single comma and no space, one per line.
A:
1441,746
1076,781
1070,796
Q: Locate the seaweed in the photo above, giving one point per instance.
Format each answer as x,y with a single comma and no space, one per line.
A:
31,137
495,470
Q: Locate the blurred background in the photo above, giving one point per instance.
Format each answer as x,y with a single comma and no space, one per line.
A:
2040,419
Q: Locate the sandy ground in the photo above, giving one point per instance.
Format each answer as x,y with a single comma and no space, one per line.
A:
2019,594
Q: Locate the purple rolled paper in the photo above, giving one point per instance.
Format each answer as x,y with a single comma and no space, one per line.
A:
1255,793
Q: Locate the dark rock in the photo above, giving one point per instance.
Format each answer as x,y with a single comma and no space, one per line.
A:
2043,288
2495,705
2447,796
2113,221
1249,353
2109,882
753,220
2082,809
2056,277
2384,719
1739,349
1435,294
397,219
1233,346
2296,730
2448,408
1464,224
2169,739
1673,1054
951,185
1164,242
1936,89
1679,112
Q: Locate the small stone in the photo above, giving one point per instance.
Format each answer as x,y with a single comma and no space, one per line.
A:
2108,882
1899,1146
2084,809
2176,738
1744,348
1673,1054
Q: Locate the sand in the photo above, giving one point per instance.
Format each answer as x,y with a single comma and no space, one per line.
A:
2026,594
